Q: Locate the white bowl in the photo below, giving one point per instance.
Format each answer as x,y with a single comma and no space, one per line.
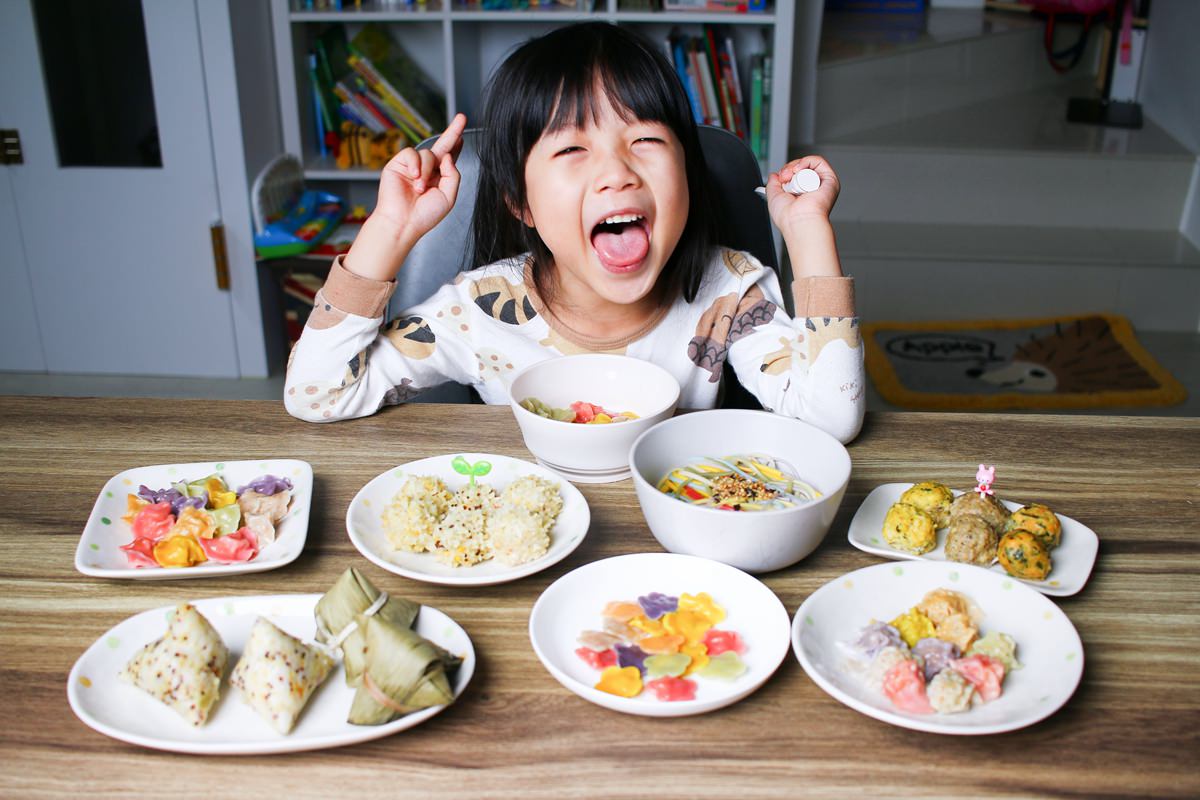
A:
573,603
591,453
756,541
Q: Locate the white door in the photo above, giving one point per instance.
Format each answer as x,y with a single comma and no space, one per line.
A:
118,258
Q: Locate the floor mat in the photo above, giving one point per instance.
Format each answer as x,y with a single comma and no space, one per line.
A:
1088,361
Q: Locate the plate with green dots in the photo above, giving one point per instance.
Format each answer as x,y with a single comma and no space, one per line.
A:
1071,561
99,552
1049,652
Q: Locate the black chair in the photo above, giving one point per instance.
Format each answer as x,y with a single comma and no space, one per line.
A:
743,224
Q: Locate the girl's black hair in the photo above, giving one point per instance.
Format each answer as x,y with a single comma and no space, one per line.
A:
550,83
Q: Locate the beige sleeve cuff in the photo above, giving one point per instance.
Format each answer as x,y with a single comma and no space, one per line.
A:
355,294
824,297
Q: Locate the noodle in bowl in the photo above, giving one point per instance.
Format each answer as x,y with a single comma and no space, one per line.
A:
756,531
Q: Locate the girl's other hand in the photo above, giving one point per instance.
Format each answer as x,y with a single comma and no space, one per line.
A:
789,210
417,189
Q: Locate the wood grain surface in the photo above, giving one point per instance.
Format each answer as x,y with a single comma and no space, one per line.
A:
1128,730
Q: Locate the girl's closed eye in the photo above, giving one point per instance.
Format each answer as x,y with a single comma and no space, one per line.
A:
565,151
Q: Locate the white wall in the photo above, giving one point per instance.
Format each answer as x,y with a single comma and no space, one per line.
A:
1170,89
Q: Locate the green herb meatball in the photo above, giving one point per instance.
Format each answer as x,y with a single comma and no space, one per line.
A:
910,529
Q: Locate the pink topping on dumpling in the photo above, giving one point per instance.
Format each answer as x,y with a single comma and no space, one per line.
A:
241,545
984,673
904,684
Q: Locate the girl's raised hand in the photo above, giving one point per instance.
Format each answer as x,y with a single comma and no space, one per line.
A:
417,188
789,210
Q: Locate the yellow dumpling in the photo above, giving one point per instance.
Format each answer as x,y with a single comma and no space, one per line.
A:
932,498
910,529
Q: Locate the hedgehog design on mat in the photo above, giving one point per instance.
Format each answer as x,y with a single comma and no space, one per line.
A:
1078,358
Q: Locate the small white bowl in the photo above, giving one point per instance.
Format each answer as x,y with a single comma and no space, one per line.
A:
756,541
591,453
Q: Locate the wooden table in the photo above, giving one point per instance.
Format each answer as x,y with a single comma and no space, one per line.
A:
1131,729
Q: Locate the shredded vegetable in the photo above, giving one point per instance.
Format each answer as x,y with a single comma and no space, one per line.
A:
738,483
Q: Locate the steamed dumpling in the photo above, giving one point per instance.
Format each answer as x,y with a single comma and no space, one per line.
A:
278,673
183,669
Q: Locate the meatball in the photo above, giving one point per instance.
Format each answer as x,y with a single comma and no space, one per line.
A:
988,507
1039,520
932,498
1024,556
971,540
910,529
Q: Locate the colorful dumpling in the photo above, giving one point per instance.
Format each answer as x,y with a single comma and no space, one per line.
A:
183,669
1039,520
278,673
1024,556
910,529
932,498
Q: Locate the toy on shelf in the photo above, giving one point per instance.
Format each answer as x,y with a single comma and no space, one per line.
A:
289,219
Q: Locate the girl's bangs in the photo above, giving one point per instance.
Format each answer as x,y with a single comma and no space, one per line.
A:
581,93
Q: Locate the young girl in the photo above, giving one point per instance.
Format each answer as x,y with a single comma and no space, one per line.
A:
594,223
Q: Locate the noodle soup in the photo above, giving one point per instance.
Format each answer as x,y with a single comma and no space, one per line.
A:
748,482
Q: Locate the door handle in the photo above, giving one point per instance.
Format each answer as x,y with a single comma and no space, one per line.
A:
220,255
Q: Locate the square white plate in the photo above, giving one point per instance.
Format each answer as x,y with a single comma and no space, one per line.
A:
117,709
99,552
574,603
1072,560
1048,646
364,521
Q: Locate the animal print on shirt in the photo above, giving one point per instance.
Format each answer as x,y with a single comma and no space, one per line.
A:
736,262
400,393
808,346
412,336
723,323
502,300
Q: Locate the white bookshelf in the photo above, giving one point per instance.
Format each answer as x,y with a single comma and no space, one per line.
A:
459,48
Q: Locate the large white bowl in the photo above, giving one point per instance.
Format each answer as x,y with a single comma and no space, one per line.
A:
591,453
756,541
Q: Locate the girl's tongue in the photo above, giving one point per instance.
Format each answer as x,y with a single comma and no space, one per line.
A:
621,244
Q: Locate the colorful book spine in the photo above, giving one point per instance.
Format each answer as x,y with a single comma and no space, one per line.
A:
689,87
766,106
380,84
756,105
319,113
712,109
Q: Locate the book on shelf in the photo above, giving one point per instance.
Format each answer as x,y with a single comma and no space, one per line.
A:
370,81
727,6
707,66
402,79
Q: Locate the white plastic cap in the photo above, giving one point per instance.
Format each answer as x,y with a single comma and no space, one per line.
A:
806,180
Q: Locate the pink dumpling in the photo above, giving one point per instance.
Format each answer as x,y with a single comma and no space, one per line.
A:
984,673
904,684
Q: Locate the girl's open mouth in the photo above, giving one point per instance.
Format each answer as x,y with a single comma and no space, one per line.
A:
621,241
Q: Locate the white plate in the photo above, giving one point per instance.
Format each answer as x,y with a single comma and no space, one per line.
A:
573,603
1048,647
364,521
99,552
1072,560
117,709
